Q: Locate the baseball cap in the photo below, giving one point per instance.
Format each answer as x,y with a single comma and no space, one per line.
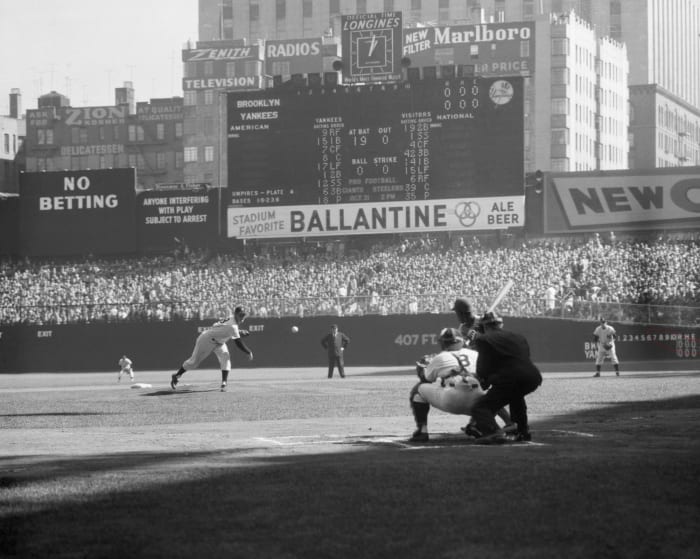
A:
240,311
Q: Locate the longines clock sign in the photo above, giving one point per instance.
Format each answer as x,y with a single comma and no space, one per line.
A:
372,47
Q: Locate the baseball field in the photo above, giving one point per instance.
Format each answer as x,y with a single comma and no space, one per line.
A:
289,464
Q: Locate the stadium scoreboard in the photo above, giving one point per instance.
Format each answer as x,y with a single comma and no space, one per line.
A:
407,141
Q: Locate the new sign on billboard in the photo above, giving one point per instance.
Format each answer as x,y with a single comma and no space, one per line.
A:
616,200
77,212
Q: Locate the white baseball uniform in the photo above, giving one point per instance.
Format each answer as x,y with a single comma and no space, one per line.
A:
605,335
452,386
125,368
214,339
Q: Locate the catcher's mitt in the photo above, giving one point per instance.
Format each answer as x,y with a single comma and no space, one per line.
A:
607,346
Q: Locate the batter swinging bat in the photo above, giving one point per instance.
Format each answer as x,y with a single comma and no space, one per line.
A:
500,295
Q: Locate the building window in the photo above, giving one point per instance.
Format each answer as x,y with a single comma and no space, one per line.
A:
560,76
416,5
101,134
208,96
361,6
135,133
560,106
334,7
254,13
560,136
230,69
83,135
281,9
6,142
160,131
209,68
190,154
115,132
178,160
160,160
307,9
190,98
388,5
178,129
208,153
560,47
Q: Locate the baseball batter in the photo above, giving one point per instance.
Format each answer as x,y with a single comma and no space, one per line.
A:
604,336
447,382
214,339
125,368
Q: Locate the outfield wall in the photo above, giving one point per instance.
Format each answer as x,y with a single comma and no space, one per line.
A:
375,340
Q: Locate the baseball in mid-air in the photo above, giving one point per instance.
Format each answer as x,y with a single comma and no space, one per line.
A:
294,329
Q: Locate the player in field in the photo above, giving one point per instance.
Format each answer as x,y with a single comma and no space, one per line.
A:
214,339
125,368
604,336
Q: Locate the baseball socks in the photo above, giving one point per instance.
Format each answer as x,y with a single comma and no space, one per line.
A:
224,380
420,413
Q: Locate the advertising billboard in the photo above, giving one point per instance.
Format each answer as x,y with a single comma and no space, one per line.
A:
77,212
293,56
492,49
371,47
637,200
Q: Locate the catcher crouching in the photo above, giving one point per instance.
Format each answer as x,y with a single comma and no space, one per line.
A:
447,381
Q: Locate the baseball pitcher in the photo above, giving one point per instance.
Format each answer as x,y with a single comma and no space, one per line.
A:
214,339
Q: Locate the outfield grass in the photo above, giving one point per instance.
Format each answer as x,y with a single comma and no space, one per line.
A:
290,464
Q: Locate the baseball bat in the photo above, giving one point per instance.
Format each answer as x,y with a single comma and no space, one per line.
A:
500,295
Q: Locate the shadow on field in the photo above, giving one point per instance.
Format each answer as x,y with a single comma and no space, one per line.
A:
570,496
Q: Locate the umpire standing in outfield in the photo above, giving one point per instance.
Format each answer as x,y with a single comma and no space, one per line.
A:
214,339
335,343
504,368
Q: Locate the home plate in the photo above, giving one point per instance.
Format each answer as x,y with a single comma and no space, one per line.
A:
141,385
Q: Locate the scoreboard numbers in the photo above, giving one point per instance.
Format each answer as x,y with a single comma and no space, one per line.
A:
409,141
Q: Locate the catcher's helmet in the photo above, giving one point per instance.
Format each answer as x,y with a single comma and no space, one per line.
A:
490,318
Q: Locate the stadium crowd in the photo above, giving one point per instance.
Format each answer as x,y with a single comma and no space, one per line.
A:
581,277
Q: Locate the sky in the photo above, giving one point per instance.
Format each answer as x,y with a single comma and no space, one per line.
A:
84,49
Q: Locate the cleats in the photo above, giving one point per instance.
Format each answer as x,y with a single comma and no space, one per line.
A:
471,431
223,387
173,381
510,428
497,437
522,437
596,375
419,437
